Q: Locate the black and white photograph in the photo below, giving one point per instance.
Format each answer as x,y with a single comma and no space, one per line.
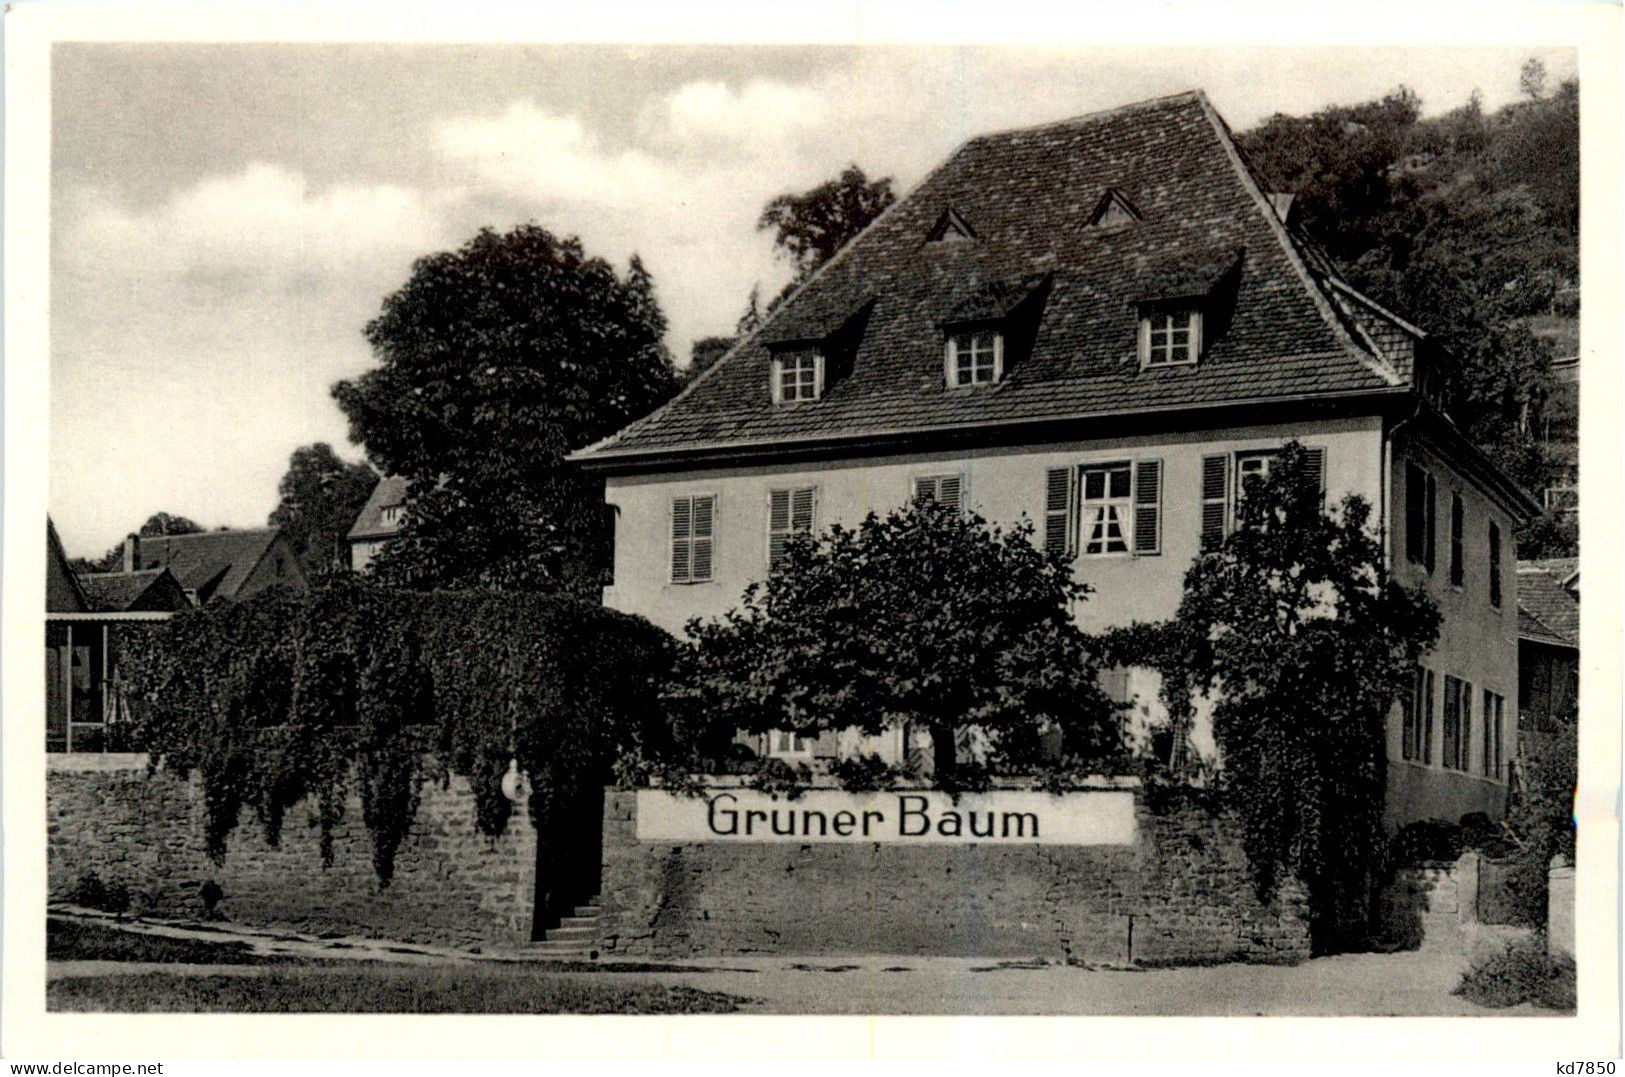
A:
981,527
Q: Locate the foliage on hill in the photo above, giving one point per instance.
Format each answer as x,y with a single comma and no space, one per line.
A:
1467,223
281,699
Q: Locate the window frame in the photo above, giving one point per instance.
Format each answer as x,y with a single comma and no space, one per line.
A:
935,478
1458,540
1125,519
1193,329
1492,752
1497,583
810,489
951,356
1456,754
671,537
781,367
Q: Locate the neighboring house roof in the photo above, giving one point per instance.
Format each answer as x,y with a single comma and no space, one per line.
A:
1548,609
1030,200
62,591
149,589
369,522
212,564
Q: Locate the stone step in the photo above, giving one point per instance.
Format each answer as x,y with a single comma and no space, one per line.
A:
589,910
572,933
565,947
579,920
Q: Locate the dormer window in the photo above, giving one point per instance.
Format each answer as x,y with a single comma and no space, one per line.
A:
975,357
798,377
1170,336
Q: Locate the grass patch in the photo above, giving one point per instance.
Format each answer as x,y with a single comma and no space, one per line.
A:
377,989
74,940
1522,972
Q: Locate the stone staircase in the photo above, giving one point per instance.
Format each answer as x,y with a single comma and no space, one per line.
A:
576,937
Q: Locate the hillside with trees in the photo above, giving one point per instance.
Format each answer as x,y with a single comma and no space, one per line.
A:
1468,224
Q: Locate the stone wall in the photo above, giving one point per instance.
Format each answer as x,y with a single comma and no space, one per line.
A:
1455,907
451,885
1182,894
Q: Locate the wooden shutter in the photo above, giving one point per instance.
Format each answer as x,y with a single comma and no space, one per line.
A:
1314,466
1059,486
682,534
1147,507
778,526
1495,563
923,488
1430,502
1215,499
704,512
950,491
1415,491
1458,570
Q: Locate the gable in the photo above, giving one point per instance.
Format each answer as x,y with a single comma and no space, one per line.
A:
1025,191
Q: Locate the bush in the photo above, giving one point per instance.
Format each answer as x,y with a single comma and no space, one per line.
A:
1522,972
91,892
1426,840
867,774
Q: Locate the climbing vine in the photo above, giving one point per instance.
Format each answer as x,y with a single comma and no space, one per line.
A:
1295,633
280,700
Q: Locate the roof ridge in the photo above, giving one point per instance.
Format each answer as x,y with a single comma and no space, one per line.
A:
1146,105
217,531
1289,247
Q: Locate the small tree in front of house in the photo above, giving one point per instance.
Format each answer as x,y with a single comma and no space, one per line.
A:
927,618
1295,630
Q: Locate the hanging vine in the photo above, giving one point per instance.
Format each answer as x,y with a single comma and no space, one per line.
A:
280,700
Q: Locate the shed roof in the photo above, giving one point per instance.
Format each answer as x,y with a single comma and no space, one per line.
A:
1548,611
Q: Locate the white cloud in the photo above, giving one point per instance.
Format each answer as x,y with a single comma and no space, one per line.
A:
761,111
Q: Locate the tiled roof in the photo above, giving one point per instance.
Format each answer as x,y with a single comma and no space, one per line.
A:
63,593
1029,196
149,589
213,564
1547,610
369,522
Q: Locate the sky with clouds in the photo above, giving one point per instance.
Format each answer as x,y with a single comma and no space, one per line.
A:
226,218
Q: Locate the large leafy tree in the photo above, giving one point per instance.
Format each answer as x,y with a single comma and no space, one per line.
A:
923,619
811,226
494,361
317,502
1295,631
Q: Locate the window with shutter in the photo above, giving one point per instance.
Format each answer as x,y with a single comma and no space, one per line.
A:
1106,502
790,512
1215,499
1495,564
1457,569
948,489
1415,514
1431,498
1060,483
1147,507
1314,464
692,520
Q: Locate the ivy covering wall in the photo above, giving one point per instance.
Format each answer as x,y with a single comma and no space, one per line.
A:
280,699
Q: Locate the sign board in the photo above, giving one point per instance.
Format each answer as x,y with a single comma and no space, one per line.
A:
902,817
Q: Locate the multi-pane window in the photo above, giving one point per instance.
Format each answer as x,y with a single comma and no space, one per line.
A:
1221,494
947,489
783,743
1494,708
799,377
975,357
1457,724
1416,735
1495,564
790,512
1106,500
692,538
1457,568
1170,337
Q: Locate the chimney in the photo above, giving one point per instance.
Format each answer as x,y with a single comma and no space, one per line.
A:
132,552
